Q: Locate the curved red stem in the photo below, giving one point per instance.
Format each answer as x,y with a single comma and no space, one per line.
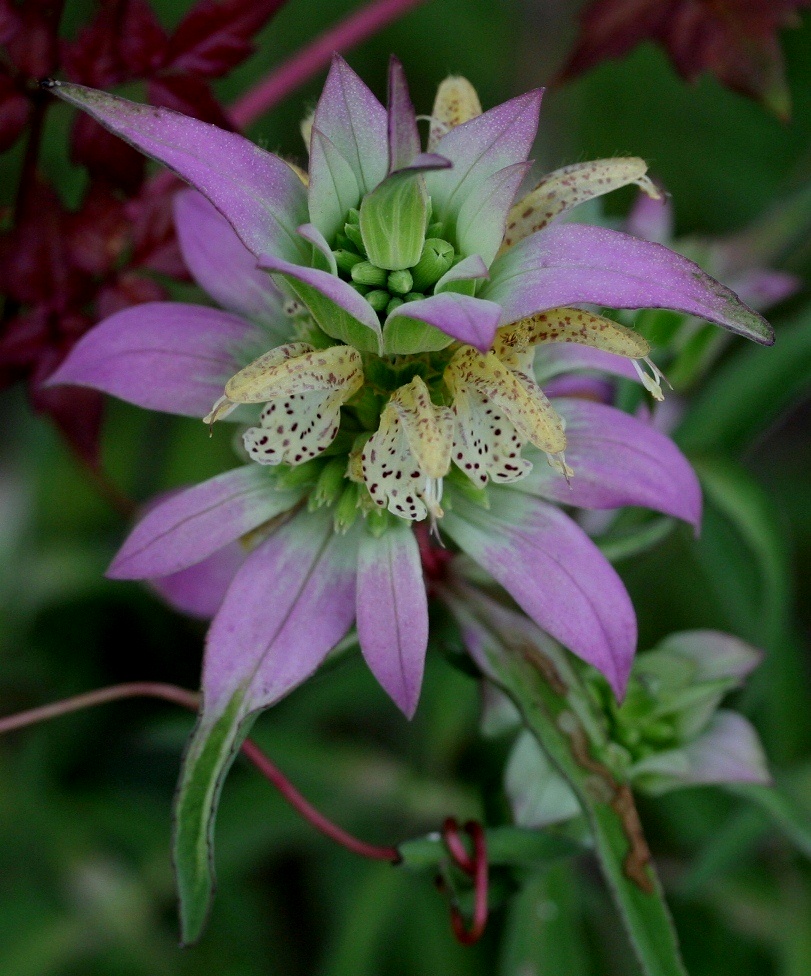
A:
476,867
191,700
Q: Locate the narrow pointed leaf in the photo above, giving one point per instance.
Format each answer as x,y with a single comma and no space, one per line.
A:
451,316
554,572
165,356
334,188
289,604
483,216
258,193
224,268
479,148
196,522
342,312
404,139
392,613
617,460
350,116
211,751
572,264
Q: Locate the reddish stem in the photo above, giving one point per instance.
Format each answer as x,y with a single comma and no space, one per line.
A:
191,700
309,812
477,868
301,66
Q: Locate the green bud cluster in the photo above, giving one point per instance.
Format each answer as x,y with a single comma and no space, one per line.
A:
387,290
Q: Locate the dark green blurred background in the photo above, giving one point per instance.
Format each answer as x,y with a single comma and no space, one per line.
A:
85,873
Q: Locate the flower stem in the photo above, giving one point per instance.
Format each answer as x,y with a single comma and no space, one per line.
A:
191,700
299,68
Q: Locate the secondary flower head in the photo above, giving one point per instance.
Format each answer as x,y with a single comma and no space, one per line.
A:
385,311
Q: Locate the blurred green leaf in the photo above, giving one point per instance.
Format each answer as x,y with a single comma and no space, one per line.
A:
759,609
791,819
544,931
749,391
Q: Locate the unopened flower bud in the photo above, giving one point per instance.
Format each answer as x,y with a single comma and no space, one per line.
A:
365,273
393,305
346,260
436,259
400,282
378,299
352,232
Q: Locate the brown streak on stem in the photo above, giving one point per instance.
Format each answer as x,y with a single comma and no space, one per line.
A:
545,667
622,803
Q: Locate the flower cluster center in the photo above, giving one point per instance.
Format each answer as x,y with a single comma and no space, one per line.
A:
386,289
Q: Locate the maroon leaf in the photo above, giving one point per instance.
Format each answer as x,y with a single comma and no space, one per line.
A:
128,289
9,21
77,412
33,262
15,109
190,95
143,39
125,41
21,344
106,156
30,36
214,37
736,40
155,244
97,234
93,58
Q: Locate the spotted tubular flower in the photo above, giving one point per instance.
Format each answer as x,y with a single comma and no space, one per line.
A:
383,315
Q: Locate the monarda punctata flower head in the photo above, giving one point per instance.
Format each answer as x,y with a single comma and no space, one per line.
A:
384,314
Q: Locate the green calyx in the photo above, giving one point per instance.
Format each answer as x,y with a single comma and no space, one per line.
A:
367,263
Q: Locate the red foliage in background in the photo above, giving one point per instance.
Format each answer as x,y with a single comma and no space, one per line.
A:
736,40
61,271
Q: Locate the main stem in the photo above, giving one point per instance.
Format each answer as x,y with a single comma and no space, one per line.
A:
191,700
364,23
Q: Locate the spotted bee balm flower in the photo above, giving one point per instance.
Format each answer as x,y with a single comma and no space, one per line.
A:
386,322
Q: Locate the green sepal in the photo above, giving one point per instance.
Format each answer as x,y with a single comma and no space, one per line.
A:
347,509
213,746
334,320
435,260
353,237
393,218
330,484
404,336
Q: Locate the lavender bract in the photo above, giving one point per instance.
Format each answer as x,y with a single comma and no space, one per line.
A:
386,369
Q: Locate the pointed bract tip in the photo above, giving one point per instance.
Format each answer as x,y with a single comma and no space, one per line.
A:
49,83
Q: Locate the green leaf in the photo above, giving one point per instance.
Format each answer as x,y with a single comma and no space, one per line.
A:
333,190
210,753
333,319
621,542
393,219
403,336
526,664
544,932
750,391
506,847
732,491
788,816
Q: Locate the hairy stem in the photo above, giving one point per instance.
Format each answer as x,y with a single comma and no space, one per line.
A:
191,700
299,68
